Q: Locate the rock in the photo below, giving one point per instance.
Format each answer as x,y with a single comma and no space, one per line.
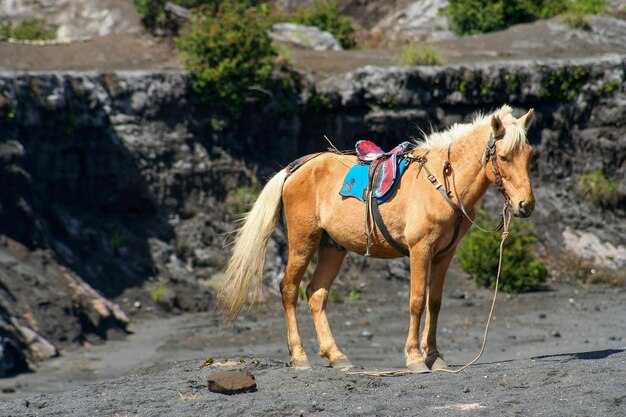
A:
307,37
589,246
418,21
231,382
77,19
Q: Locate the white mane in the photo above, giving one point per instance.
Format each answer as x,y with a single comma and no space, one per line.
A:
515,135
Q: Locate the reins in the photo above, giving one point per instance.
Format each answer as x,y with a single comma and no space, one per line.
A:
505,221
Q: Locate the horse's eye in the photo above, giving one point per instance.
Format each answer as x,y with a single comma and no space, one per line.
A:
503,158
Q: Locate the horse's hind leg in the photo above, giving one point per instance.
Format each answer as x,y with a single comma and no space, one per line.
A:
301,250
438,269
328,265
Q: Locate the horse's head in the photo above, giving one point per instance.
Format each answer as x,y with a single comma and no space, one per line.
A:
512,155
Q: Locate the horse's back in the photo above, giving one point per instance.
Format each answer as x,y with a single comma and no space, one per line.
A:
323,172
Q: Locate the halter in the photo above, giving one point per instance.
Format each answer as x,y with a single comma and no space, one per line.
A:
490,153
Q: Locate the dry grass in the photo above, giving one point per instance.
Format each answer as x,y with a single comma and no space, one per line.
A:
188,397
572,268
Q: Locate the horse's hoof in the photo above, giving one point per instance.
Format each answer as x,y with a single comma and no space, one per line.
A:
342,364
418,368
439,363
301,365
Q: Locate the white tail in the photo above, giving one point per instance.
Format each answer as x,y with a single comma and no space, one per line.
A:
245,267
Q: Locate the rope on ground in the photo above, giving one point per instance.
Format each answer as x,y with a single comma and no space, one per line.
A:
506,218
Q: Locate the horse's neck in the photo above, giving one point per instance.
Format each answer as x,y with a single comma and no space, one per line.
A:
470,179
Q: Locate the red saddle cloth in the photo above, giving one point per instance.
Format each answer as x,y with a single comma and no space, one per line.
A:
383,165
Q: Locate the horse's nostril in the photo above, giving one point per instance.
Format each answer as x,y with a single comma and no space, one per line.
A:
525,208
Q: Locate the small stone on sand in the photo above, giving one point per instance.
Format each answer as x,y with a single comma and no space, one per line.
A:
231,382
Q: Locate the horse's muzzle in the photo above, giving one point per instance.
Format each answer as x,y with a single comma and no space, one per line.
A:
524,208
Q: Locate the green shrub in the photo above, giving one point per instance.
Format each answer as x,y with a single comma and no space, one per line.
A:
545,9
522,270
324,15
229,55
479,16
588,6
354,295
414,54
598,188
29,30
159,293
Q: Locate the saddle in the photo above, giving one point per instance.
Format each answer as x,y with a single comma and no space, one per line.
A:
377,172
373,180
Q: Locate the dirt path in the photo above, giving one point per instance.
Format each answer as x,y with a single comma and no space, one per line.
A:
563,319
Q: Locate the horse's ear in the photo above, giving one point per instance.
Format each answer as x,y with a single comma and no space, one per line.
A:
527,119
496,126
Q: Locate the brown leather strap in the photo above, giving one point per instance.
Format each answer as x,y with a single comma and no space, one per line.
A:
380,223
384,231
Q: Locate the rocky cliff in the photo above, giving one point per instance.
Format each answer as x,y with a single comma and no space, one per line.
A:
121,185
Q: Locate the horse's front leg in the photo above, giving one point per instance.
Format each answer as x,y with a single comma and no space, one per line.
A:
420,262
438,269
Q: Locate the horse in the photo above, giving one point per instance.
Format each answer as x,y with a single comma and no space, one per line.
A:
418,216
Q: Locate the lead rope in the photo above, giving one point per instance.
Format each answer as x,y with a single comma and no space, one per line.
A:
506,220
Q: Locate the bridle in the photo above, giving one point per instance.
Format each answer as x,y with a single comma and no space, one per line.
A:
490,154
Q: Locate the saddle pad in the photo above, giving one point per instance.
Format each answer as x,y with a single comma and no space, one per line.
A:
355,183
383,165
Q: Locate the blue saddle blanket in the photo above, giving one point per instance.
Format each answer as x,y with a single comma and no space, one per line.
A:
356,181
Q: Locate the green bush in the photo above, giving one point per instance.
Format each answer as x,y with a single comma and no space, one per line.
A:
29,30
478,16
229,55
324,15
588,6
160,293
598,188
522,270
414,54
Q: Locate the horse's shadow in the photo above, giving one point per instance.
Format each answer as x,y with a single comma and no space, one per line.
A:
567,357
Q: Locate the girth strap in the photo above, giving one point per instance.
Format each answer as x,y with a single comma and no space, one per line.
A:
380,223
383,229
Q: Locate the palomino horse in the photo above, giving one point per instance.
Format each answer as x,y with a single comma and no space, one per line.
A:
417,216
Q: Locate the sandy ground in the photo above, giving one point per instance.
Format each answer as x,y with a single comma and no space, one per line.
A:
560,385
161,359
